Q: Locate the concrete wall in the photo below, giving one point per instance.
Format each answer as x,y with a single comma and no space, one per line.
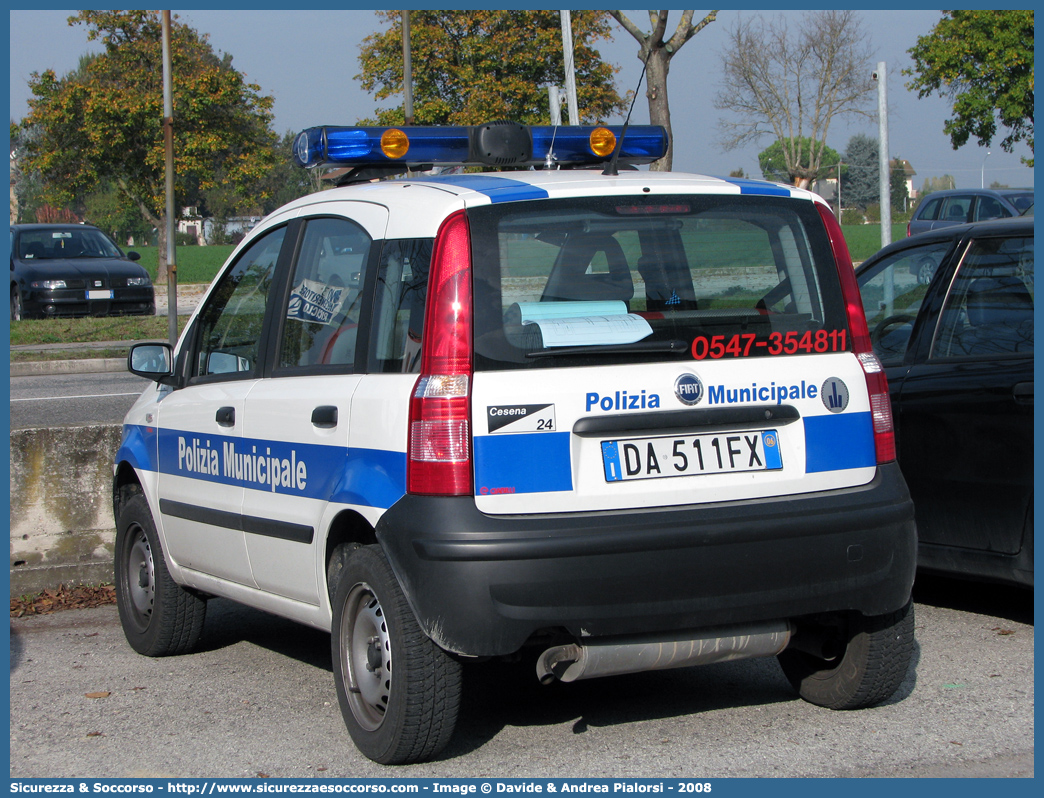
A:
62,529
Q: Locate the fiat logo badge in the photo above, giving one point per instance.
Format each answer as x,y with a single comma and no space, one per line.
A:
688,389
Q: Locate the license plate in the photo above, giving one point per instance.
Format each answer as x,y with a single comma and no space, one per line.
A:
100,294
691,455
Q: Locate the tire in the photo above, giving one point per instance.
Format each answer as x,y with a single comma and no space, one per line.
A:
399,692
159,617
874,664
926,271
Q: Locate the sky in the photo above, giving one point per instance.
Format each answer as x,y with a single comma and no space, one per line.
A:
308,61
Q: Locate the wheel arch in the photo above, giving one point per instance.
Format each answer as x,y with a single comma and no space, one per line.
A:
125,485
348,530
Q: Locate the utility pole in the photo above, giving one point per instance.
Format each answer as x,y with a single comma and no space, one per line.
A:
555,95
882,154
570,72
168,147
407,69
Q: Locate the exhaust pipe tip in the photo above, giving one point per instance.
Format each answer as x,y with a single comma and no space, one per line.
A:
554,664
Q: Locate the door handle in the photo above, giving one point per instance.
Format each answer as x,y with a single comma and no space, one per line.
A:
325,417
1023,393
226,416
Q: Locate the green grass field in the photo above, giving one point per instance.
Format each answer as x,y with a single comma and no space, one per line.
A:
195,264
865,239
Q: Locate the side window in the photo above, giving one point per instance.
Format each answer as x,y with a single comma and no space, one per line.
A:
955,209
989,310
230,324
989,208
320,322
398,315
892,296
931,210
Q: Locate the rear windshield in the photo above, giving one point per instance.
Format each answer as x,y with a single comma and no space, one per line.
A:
620,280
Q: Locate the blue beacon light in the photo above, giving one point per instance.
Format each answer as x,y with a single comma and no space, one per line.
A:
495,144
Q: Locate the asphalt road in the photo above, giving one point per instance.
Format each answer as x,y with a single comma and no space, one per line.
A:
58,400
258,698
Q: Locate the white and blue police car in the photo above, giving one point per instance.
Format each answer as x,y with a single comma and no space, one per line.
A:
611,419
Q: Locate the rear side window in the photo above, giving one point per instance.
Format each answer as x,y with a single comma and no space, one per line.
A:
398,306
930,210
624,280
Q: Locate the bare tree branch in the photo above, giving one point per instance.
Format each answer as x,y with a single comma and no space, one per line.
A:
656,55
792,84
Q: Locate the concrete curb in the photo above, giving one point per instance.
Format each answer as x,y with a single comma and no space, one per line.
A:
98,365
61,506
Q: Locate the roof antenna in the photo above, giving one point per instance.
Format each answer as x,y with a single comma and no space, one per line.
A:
610,168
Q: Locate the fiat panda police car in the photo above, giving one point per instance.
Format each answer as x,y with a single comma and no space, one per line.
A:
613,420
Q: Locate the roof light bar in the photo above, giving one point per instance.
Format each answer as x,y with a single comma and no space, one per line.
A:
493,144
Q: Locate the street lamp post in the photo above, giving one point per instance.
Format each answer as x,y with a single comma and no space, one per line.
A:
982,176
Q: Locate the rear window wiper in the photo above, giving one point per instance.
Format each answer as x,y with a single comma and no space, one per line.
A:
675,346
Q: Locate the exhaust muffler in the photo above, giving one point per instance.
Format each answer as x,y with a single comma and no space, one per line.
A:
574,661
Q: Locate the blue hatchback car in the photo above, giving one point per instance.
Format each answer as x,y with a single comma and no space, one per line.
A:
962,205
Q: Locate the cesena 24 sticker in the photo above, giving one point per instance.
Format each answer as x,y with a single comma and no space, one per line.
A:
521,418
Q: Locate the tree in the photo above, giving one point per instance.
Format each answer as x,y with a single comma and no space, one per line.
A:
103,121
860,185
774,165
861,180
792,84
899,194
982,61
471,67
656,54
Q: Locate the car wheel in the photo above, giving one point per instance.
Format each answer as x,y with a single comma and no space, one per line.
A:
159,617
16,304
873,664
925,271
399,692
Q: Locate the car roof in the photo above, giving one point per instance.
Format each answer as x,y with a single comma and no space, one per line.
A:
964,192
422,202
1012,225
54,226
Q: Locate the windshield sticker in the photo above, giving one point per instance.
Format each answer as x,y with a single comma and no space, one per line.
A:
316,302
717,347
584,323
521,418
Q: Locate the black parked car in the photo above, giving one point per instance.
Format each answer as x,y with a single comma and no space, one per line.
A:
958,354
74,270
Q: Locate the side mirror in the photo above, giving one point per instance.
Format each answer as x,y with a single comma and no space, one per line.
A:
132,255
151,361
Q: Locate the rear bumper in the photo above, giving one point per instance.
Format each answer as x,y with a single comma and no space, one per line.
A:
481,585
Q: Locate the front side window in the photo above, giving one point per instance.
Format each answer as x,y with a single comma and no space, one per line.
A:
989,208
230,325
989,308
602,281
320,322
893,293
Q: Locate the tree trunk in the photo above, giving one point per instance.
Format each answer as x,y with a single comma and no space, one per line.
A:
658,64
161,254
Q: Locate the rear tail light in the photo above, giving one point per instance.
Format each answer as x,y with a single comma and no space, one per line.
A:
876,382
439,446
